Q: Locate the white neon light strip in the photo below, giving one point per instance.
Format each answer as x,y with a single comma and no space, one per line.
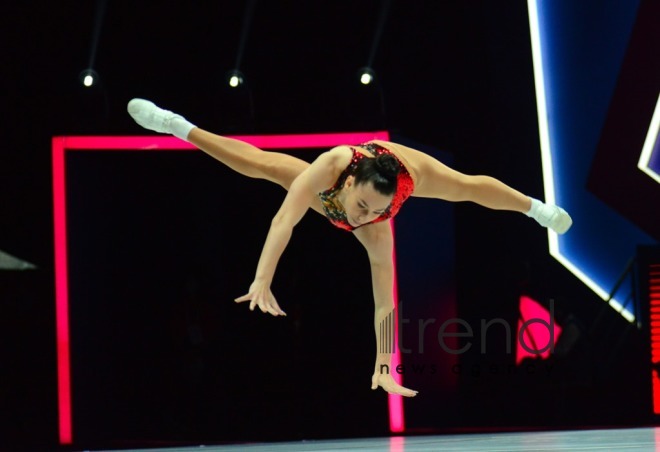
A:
547,164
649,143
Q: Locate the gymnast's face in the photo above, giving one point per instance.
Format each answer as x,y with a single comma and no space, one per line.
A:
362,202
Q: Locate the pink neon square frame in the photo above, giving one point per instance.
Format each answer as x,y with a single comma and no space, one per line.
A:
62,145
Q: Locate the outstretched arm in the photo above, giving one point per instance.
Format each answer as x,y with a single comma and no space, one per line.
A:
304,188
378,241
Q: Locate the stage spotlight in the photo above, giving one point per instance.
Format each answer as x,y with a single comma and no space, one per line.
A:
235,78
89,77
367,75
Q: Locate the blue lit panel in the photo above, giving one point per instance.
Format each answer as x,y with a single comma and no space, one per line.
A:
577,57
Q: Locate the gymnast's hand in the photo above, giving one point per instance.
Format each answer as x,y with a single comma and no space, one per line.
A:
386,382
261,295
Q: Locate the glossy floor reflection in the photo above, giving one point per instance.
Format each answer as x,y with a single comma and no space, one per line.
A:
647,439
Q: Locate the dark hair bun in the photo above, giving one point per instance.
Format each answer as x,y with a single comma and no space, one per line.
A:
381,171
387,165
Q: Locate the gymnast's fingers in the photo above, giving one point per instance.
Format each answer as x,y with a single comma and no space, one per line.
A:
398,389
277,308
263,306
404,392
391,386
245,297
271,310
253,303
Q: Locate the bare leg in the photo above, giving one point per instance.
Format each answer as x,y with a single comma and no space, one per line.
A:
437,180
249,160
494,194
237,155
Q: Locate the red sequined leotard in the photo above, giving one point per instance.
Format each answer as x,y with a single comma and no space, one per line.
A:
333,209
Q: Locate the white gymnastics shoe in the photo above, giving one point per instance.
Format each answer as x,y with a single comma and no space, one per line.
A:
151,117
550,216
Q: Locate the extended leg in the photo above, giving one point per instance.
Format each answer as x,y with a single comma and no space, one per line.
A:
436,180
240,156
249,160
439,181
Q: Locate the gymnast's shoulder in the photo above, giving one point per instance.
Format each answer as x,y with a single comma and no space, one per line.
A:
337,158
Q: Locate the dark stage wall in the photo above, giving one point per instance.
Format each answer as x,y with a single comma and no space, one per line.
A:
161,247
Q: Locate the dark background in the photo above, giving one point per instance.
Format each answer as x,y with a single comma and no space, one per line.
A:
452,75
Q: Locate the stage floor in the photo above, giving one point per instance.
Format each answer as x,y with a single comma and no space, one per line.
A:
647,439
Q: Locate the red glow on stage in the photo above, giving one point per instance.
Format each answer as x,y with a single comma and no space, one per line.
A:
656,392
539,331
654,317
395,401
397,444
61,293
60,146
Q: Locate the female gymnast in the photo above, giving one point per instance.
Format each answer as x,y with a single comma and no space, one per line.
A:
356,188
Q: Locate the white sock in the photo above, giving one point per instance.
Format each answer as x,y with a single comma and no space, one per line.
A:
550,216
180,127
535,210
